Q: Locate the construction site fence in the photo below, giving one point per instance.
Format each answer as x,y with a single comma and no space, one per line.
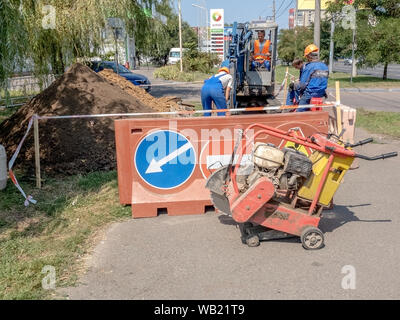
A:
19,89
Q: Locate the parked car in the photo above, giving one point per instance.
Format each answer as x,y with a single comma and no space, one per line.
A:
175,55
136,79
348,62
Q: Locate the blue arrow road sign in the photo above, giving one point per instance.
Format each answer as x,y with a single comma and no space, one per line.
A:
165,159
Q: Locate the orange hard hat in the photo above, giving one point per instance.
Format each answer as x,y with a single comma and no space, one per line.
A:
224,69
309,49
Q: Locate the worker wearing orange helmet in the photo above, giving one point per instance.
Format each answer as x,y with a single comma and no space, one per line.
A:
314,78
261,52
217,89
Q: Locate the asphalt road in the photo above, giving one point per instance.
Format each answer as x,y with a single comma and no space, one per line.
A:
372,99
393,70
202,257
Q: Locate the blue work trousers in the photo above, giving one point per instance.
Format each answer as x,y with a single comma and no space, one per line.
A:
256,64
304,100
292,95
213,91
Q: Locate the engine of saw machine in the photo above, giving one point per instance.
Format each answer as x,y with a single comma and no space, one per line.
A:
287,169
291,170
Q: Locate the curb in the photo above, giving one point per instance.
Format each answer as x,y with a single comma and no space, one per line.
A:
366,90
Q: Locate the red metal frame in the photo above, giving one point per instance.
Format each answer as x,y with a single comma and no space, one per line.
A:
281,217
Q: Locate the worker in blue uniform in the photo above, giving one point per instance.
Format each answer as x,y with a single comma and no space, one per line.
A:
293,96
314,78
217,89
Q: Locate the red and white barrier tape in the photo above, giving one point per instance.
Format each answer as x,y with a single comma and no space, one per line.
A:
28,199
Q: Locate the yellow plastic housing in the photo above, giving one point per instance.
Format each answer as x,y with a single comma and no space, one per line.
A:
335,176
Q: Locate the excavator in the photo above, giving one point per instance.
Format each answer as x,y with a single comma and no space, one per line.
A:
252,87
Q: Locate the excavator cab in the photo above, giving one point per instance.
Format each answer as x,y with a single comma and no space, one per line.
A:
253,86
259,80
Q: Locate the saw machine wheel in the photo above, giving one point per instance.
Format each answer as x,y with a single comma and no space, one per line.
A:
312,238
253,241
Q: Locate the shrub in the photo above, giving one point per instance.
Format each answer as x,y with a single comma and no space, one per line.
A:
193,60
173,73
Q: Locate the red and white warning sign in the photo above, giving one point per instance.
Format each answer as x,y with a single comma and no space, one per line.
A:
216,154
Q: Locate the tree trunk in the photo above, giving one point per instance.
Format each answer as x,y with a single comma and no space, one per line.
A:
385,71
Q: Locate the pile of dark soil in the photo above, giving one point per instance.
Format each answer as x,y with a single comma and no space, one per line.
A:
163,104
71,146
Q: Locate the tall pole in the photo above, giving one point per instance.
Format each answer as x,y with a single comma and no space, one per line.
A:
353,60
180,33
332,46
317,23
206,12
207,29
274,10
116,60
201,30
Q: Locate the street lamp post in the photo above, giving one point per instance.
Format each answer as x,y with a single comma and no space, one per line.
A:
198,29
206,13
180,33
317,23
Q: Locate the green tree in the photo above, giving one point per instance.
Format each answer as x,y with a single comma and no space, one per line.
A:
292,43
286,49
376,43
12,39
76,33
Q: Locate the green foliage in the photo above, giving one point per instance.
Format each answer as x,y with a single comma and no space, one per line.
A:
376,44
286,49
12,39
55,232
77,32
193,60
163,37
173,73
194,63
380,122
293,42
94,181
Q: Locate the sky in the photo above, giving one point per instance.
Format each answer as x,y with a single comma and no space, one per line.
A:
237,10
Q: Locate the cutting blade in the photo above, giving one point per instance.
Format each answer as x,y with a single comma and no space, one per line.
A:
221,203
216,184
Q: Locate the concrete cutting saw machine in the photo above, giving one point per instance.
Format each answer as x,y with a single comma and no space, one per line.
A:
281,193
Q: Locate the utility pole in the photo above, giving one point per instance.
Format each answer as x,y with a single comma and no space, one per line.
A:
317,23
274,10
353,58
332,45
180,33
116,59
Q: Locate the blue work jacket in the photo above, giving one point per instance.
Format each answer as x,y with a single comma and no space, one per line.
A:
314,79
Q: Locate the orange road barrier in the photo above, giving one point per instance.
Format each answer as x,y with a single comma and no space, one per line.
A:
163,164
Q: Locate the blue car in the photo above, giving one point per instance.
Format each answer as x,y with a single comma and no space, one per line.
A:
136,79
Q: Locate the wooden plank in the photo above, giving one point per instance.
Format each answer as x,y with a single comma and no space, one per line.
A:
338,109
286,85
37,151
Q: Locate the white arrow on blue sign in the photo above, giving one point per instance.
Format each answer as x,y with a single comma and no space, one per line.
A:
165,159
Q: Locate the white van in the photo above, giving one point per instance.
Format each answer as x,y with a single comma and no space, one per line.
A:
175,55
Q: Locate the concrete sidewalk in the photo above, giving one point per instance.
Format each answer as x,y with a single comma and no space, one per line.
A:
202,257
